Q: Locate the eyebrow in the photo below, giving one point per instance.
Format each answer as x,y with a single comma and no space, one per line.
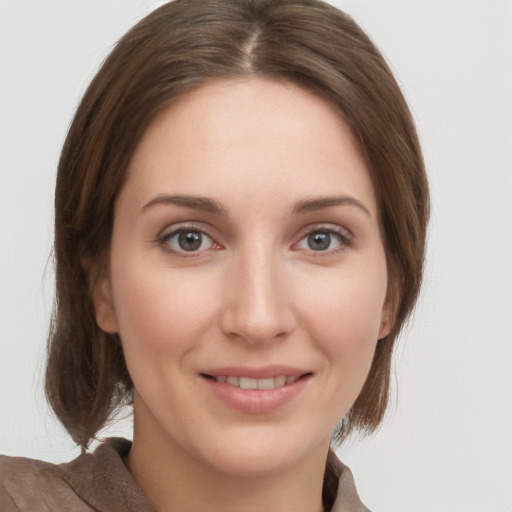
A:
196,203
314,204
211,206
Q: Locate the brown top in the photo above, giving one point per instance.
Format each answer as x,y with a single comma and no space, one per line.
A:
99,481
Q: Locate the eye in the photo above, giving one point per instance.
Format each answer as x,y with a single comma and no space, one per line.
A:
323,240
187,241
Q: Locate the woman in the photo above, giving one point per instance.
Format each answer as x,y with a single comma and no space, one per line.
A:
240,218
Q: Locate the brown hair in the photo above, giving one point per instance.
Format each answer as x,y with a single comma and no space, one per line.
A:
177,48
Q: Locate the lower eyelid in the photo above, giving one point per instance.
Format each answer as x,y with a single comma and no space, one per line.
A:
164,240
345,238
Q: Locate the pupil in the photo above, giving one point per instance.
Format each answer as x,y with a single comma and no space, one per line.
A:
190,240
319,241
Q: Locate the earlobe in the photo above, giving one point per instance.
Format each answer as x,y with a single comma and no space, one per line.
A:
385,327
388,317
103,306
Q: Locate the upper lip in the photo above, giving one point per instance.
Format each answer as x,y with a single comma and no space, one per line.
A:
262,372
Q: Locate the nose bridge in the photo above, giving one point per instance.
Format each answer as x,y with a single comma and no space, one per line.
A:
258,308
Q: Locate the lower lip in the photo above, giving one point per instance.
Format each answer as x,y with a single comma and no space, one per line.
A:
256,401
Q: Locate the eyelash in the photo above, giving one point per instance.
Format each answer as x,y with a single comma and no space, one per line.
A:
345,240
165,239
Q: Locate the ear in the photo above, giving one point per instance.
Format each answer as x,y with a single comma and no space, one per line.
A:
385,327
387,319
104,309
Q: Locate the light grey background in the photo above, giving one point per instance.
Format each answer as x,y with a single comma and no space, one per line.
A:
447,443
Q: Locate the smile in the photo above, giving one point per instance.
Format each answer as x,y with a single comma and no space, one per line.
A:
251,383
256,391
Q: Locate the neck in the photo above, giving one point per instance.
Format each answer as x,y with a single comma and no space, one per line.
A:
174,480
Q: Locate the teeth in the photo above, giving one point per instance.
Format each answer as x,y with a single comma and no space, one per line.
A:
266,383
280,381
249,383
246,383
234,381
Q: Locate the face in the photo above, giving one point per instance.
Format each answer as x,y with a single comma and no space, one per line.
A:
247,276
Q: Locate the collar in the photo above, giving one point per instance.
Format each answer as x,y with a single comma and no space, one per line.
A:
102,480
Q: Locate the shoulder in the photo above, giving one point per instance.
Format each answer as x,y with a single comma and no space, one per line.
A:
33,485
96,481
342,481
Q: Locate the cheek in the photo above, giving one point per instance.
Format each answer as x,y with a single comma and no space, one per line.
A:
342,314
345,315
158,312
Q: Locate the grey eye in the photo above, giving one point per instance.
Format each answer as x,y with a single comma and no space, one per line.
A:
187,241
190,240
319,241
323,240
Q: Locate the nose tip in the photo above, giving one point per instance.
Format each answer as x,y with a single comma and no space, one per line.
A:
257,307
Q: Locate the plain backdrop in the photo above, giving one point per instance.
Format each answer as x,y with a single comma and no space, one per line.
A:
447,442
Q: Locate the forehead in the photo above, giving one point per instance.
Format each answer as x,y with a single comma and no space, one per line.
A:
249,134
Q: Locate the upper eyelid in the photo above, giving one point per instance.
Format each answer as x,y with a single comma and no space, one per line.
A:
325,226
174,232
209,231
164,238
181,226
173,229
345,235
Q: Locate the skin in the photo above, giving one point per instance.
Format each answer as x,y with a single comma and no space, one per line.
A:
255,293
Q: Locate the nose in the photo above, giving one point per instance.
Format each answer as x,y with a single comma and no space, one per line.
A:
257,307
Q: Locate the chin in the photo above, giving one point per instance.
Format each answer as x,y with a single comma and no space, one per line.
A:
262,452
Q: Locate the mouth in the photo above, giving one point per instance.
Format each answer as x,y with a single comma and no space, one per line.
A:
253,383
256,390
